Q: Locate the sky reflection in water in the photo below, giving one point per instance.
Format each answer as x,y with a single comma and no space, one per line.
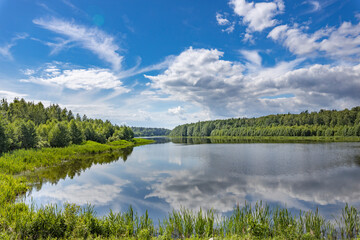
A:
160,177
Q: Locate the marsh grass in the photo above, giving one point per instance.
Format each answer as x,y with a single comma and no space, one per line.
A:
20,221
23,160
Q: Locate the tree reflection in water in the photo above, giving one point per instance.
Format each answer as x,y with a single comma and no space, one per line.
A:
75,167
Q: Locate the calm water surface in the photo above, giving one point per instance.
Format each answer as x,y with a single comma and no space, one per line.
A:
165,176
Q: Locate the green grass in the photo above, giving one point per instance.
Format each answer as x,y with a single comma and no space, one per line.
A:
20,221
21,168
23,160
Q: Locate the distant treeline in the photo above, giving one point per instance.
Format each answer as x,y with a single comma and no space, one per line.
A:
323,123
148,132
29,125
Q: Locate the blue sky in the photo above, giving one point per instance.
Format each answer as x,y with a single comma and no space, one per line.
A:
162,63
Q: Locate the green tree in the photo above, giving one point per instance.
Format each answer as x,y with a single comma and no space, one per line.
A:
26,134
59,136
90,133
3,138
76,134
123,133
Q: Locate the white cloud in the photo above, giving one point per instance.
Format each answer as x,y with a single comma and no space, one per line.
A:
252,56
316,6
176,110
5,49
28,72
93,39
258,16
87,79
83,194
230,29
200,77
221,20
197,75
334,42
11,95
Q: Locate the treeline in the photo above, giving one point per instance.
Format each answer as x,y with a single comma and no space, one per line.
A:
148,132
29,125
323,123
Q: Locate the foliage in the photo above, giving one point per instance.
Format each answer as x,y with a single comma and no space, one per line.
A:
149,132
3,138
320,124
76,135
124,133
59,136
29,125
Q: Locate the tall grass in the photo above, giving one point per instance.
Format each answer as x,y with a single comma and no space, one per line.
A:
249,222
29,160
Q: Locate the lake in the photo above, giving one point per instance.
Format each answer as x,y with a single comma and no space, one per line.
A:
173,173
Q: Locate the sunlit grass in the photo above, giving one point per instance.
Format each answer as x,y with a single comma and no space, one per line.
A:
249,222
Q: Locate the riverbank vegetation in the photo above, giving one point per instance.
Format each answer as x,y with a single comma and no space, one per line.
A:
20,221
25,125
325,123
150,132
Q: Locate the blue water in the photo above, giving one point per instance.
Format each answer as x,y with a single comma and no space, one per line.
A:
166,176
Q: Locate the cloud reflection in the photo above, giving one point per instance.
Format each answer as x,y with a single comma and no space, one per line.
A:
220,184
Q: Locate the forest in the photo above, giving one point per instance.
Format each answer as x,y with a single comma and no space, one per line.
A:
25,125
149,132
325,123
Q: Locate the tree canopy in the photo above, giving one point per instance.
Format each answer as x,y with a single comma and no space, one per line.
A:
29,125
322,123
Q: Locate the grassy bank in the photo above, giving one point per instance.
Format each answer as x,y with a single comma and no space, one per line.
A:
22,168
15,165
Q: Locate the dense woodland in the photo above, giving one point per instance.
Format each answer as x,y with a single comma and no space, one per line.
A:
323,123
29,125
148,132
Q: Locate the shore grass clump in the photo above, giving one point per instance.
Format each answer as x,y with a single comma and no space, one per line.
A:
20,221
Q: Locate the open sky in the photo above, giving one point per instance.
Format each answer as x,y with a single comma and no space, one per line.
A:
162,63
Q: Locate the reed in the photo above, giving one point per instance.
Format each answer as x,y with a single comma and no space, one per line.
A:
249,222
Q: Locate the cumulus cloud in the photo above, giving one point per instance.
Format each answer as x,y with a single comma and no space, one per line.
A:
258,16
221,20
200,77
334,42
87,79
93,39
11,95
252,56
176,110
